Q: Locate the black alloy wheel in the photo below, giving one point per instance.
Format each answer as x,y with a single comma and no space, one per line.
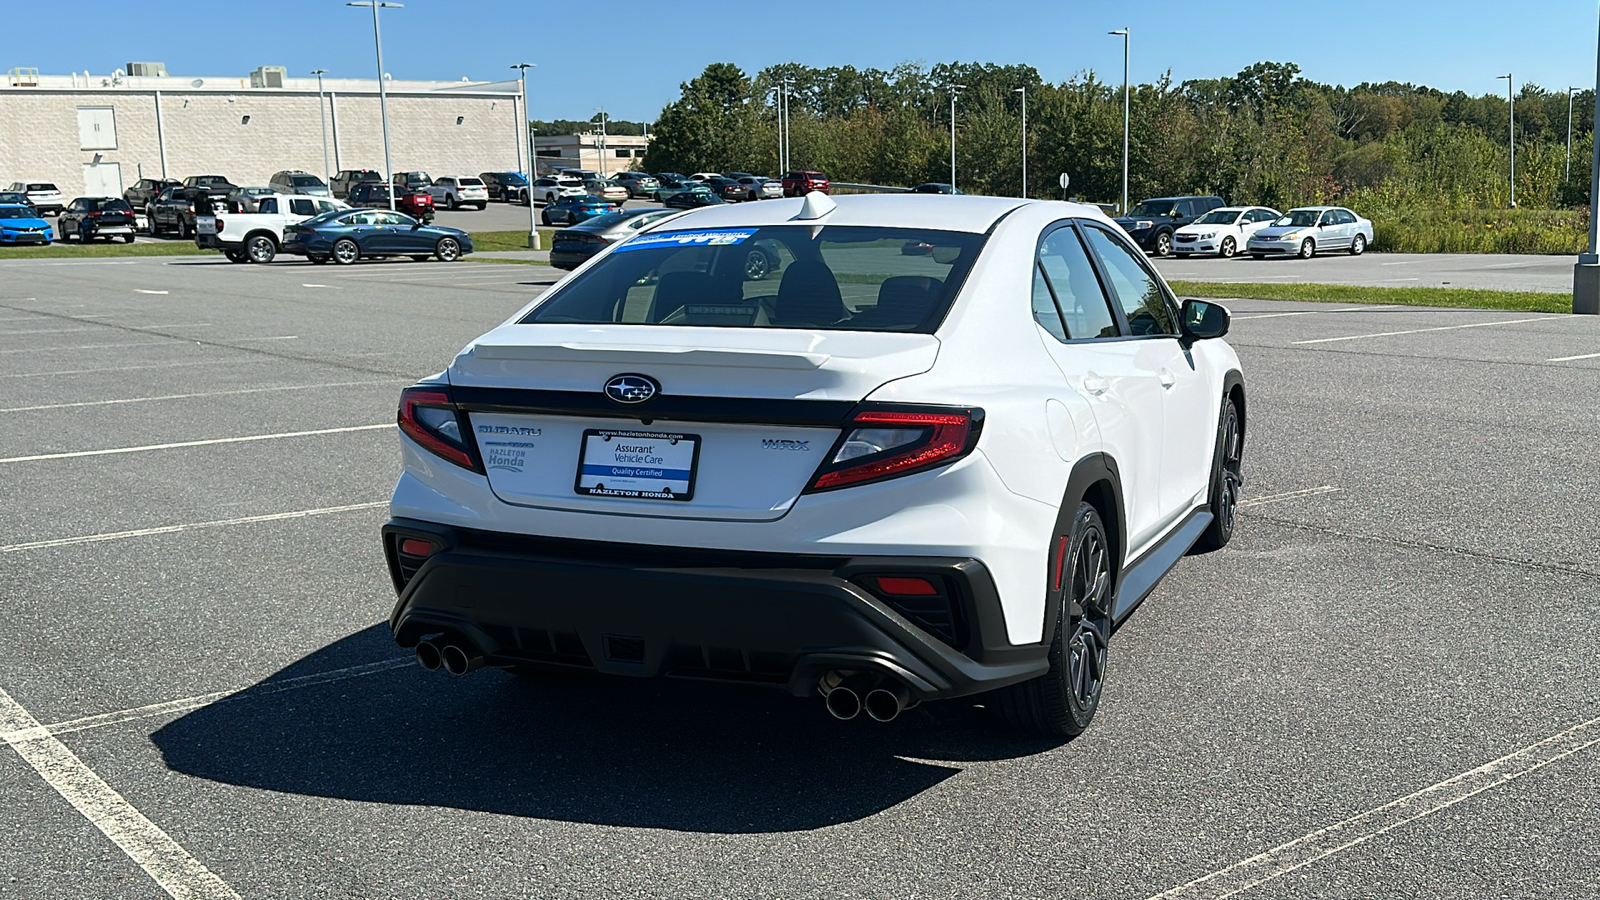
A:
1227,475
756,266
345,251
1062,702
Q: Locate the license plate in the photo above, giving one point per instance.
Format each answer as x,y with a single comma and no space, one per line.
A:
114,229
205,224
646,465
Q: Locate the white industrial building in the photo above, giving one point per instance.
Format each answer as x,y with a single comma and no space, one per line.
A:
97,134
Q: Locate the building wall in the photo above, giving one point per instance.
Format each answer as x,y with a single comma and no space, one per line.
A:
205,133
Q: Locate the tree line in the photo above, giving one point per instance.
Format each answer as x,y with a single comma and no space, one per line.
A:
1265,135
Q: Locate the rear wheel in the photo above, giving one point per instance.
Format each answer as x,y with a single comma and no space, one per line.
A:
234,256
261,249
345,251
756,266
317,260
450,201
448,250
127,238
1359,245
1062,702
1227,473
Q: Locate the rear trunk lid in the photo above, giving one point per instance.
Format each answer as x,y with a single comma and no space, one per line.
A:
742,419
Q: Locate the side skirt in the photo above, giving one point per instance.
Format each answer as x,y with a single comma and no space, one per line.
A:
1142,576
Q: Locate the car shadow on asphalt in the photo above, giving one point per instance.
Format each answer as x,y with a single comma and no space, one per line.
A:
607,751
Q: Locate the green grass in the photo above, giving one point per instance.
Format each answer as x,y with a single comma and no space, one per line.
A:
508,240
1522,230
1404,296
101,248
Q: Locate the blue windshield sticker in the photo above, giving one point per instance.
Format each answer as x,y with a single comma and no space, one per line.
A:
721,238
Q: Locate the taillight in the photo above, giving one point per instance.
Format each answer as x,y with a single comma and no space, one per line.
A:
883,442
219,225
429,416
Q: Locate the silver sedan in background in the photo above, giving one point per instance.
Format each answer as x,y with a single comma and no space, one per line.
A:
1309,230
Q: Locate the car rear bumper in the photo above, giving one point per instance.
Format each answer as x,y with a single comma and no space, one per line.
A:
782,620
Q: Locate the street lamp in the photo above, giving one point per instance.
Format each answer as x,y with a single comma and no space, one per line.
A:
955,91
1570,92
383,94
1512,135
1024,92
327,176
533,160
1125,107
600,111
783,126
1586,273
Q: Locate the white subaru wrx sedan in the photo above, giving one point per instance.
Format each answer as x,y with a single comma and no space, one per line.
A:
938,446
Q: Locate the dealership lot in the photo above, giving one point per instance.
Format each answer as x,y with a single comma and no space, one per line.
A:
1485,271
197,457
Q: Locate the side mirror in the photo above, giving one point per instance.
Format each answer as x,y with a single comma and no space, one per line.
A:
1202,321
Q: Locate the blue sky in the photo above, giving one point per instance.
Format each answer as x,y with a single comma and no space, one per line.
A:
634,68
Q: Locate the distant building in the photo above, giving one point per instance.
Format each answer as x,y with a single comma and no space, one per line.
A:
609,155
97,134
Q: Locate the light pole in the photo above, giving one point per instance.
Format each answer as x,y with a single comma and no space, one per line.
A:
1024,92
783,119
383,94
955,91
1126,105
1570,92
327,175
1512,135
1586,274
602,113
533,161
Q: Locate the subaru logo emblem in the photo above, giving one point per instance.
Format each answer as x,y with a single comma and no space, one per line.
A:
632,388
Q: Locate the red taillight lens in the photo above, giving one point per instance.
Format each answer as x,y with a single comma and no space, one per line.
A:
219,226
882,443
428,416
904,586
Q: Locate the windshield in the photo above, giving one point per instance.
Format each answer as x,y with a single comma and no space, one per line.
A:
325,217
1300,218
848,278
1154,208
15,212
115,205
1218,217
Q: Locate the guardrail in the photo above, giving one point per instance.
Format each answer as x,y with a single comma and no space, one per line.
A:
866,188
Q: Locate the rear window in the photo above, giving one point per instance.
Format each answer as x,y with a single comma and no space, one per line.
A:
470,182
366,176
117,205
41,186
846,278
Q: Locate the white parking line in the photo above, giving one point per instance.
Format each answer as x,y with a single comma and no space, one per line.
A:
85,346
143,291
161,857
1270,498
189,526
1310,312
281,337
44,331
1325,842
256,390
171,365
75,454
1571,358
1357,337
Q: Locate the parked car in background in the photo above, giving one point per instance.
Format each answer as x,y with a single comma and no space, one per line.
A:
800,183
44,196
1151,223
294,181
348,235
669,184
243,199
1309,230
408,200
345,179
507,187
22,224
639,184
144,191
934,187
256,235
1223,231
727,188
217,187
693,199
87,218
703,176
572,210
606,190
451,191
172,210
757,187
551,188
16,198
572,247
417,180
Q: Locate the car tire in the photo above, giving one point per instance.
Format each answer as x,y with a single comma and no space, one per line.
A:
183,230
421,258
1359,245
127,238
1308,248
1229,248
1227,474
317,260
1258,256
447,250
483,206
1181,255
345,251
544,217
1164,244
235,256
261,249
756,266
1062,702
449,201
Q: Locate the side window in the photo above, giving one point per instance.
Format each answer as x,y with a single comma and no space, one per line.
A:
1135,288
1044,306
1329,218
268,205
1071,279
302,207
1346,217
1188,208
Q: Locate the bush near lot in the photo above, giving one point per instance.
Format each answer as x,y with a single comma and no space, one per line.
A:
1557,231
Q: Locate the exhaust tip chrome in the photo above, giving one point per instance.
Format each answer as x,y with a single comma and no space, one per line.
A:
843,703
458,660
885,703
428,656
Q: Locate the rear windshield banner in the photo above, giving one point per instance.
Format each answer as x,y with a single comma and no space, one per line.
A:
722,238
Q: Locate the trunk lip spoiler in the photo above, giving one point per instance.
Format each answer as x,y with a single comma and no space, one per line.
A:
678,408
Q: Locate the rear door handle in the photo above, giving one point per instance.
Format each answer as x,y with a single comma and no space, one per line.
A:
1167,378
1096,385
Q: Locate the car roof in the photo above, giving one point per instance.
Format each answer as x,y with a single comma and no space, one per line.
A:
943,212
1315,208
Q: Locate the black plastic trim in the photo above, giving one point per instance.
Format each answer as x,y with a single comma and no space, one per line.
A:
674,407
1142,576
1089,471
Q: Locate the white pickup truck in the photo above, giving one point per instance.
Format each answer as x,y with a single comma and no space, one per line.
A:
255,237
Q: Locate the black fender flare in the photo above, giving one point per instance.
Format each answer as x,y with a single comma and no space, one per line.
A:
1092,470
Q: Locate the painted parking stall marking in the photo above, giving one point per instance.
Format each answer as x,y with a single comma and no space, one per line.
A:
1357,337
74,454
188,526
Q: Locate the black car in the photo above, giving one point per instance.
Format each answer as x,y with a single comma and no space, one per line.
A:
572,247
348,235
934,187
145,191
1151,222
507,187
173,210
87,218
692,199
726,188
217,187
18,198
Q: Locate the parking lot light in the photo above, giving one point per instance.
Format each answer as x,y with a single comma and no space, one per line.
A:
601,114
322,117
1511,138
383,94
1126,36
1024,92
1586,273
533,163
1570,91
955,91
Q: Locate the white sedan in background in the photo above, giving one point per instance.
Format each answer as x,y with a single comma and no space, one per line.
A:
1310,230
1223,231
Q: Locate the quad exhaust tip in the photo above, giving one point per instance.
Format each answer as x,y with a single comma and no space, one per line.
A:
428,656
459,659
848,694
884,703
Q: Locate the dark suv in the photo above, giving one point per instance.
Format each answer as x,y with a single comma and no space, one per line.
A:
349,178
507,187
1151,222
144,191
418,204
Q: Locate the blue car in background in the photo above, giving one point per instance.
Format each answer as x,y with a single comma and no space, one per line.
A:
575,209
20,224
346,235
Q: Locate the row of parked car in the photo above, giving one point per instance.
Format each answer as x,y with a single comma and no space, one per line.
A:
1207,226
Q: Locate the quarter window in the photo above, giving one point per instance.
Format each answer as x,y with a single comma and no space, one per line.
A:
1070,278
1044,306
1140,294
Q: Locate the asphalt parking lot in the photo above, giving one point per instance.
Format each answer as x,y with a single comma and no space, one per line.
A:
1387,686
1486,271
